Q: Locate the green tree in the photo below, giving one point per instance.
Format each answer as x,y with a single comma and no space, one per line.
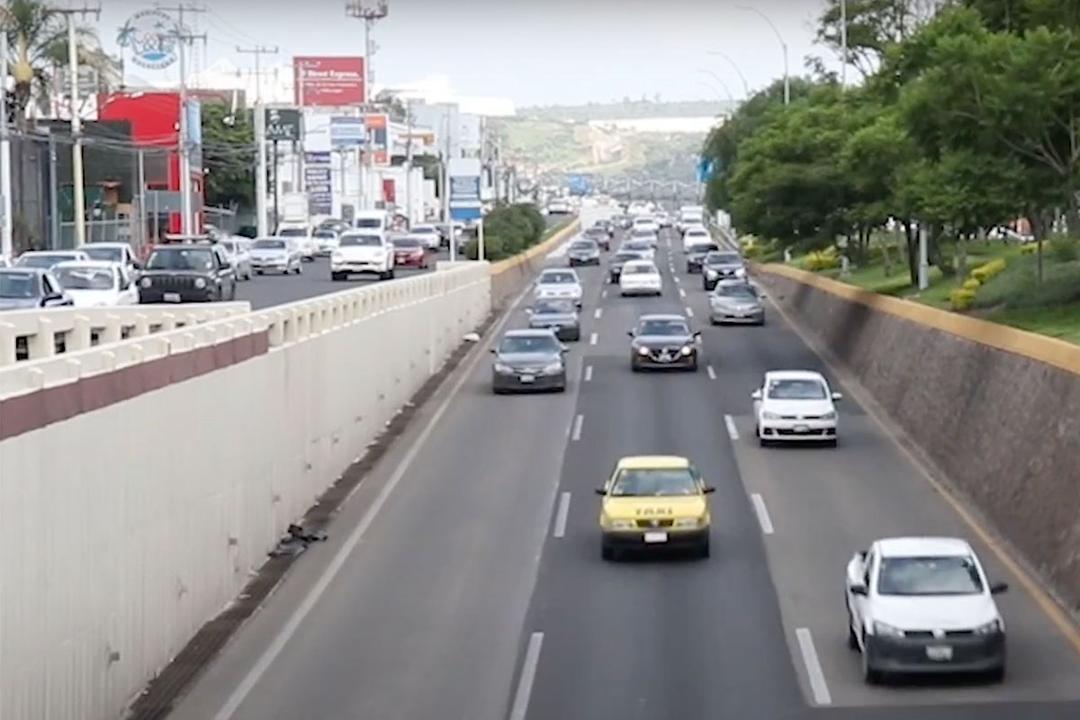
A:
229,156
873,27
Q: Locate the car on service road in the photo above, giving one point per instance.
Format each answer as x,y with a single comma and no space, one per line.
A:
96,283
795,406
527,360
276,254
696,253
560,285
186,273
661,342
363,253
560,316
736,301
25,288
640,277
583,252
923,605
47,259
721,265
410,251
654,502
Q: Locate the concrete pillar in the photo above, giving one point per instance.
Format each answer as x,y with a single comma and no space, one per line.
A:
79,336
112,332
43,343
142,326
7,344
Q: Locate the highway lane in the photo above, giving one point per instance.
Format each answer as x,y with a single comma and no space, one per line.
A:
481,571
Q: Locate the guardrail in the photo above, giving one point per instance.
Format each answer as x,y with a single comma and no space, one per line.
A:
43,333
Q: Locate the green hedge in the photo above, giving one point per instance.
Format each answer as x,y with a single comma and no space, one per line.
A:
509,230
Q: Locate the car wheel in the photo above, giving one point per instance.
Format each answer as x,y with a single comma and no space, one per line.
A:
830,443
703,549
390,274
693,366
997,675
871,675
336,277
634,367
852,638
258,272
608,553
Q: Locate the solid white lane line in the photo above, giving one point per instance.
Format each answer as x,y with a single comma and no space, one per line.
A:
682,293
818,686
732,431
712,373
598,313
528,676
762,513
247,684
561,515
588,374
689,312
575,435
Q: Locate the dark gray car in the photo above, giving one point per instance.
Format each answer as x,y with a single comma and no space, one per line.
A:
721,265
663,341
696,253
561,316
583,252
527,360
621,258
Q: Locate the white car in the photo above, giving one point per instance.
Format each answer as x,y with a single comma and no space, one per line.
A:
238,250
695,235
429,234
797,406
559,285
645,247
276,254
326,241
119,252
559,207
645,225
923,605
363,253
305,241
96,283
640,277
47,259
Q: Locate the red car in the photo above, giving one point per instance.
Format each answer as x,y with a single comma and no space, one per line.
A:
410,252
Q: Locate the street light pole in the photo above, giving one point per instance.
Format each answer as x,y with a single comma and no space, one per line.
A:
783,47
260,137
738,70
720,82
843,44
6,232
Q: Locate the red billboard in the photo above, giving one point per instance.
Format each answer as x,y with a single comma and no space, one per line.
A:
378,136
328,81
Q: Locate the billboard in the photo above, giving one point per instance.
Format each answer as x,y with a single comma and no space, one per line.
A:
346,132
464,189
316,131
317,183
378,138
321,81
282,124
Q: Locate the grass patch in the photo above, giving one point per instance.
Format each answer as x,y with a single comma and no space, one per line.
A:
1062,322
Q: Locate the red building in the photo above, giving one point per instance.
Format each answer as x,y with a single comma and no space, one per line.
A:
155,126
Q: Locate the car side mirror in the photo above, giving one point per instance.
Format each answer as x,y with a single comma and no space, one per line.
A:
564,349
837,397
756,395
528,311
493,351
857,589
697,335
630,333
998,588
601,491
709,490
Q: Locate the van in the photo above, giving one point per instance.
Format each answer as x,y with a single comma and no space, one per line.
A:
372,220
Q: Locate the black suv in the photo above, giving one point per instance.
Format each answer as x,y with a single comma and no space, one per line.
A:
187,273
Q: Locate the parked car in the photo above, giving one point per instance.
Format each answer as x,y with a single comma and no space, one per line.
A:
96,283
410,251
24,288
118,252
305,241
363,253
238,250
187,272
46,259
276,254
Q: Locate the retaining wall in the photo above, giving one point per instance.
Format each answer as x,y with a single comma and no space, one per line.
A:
142,482
995,408
510,276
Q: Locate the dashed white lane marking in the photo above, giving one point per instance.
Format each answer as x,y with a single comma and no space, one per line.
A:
677,278
682,293
603,294
593,338
598,313
732,431
528,676
818,686
562,514
689,312
588,374
762,513
575,435
712,373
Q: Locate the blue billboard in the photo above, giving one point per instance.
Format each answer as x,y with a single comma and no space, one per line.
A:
579,184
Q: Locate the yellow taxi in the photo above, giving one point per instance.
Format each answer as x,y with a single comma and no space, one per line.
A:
653,502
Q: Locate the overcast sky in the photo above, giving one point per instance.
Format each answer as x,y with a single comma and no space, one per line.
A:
530,52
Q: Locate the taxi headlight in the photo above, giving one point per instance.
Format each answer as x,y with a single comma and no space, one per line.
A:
145,282
994,626
688,522
643,351
686,350
200,283
621,524
770,415
887,630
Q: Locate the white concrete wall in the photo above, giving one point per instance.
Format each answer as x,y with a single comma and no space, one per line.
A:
127,528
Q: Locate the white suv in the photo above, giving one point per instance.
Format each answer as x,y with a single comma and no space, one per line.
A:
363,253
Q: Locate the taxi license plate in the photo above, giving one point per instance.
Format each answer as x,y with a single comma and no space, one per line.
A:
939,652
802,429
171,297
528,378
655,537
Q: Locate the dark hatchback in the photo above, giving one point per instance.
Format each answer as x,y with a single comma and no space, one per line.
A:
619,259
187,273
721,265
527,360
663,341
560,316
696,254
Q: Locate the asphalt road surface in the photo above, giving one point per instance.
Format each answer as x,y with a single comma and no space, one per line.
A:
464,580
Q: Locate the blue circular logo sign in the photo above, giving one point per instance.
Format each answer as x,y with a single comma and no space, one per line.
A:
152,37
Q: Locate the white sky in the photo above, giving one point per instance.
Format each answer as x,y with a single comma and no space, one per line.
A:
526,51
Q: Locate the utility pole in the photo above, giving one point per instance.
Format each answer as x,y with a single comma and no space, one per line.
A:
369,14
185,38
408,160
843,44
783,47
6,243
142,197
260,136
446,191
77,177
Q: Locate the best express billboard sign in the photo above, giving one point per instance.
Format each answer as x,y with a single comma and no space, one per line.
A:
324,81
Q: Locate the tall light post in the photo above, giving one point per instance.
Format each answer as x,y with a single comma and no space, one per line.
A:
736,68
370,14
718,81
6,225
843,44
783,47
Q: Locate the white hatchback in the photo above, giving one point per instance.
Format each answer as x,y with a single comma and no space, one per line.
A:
559,284
795,406
96,283
640,277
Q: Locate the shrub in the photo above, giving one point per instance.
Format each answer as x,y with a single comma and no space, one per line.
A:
1064,250
960,299
821,260
1029,249
972,284
983,273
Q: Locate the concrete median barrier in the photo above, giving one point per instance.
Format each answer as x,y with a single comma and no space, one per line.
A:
142,482
995,409
510,276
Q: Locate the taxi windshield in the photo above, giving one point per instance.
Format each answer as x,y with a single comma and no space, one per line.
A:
652,482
